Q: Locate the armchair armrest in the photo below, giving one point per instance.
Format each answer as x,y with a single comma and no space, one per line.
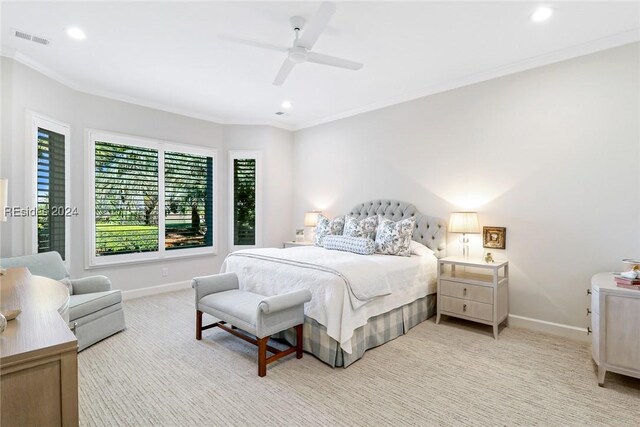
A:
206,285
88,285
284,301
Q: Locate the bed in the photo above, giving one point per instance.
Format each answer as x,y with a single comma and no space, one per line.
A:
359,301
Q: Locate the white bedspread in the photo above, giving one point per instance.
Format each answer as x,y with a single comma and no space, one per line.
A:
409,278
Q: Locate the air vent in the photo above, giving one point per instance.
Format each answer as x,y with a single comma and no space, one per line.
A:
30,37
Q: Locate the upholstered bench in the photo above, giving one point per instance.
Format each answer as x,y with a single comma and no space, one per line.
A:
220,296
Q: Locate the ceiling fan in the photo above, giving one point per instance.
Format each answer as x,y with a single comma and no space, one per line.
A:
301,50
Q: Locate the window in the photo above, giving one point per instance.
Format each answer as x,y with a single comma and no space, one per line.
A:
126,199
244,194
51,228
188,200
150,199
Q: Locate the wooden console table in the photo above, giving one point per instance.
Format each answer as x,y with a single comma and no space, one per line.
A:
38,353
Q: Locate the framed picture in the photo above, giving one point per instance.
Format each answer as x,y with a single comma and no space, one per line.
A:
494,237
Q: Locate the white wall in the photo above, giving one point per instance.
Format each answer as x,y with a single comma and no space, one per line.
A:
551,153
24,88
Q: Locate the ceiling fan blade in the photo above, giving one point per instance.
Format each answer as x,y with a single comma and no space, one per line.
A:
253,43
333,61
316,25
285,69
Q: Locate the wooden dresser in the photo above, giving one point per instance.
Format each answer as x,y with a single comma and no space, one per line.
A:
615,316
38,353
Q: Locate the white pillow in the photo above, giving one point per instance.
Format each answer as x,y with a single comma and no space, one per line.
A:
419,249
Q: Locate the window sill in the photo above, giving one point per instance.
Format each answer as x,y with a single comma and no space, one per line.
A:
173,255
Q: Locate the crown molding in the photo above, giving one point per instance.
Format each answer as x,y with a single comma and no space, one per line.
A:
48,72
625,37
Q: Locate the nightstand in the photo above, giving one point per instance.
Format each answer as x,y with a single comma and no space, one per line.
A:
292,244
478,297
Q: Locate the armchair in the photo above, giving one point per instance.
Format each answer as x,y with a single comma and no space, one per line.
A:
95,310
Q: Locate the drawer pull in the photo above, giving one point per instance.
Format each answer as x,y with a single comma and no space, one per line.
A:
588,311
464,292
464,307
589,331
588,291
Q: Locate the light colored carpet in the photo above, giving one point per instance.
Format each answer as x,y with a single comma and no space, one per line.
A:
156,373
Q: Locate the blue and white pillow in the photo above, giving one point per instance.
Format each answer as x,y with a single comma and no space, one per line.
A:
326,227
356,245
363,228
394,238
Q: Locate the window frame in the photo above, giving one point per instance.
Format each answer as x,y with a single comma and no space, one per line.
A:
257,156
94,261
35,121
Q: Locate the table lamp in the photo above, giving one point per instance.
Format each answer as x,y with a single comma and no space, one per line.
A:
311,220
465,223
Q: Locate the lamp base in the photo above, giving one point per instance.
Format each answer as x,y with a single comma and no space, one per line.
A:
464,245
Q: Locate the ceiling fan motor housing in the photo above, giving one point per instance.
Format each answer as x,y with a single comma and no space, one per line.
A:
298,54
297,22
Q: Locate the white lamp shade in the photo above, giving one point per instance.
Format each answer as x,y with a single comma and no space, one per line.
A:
464,222
311,218
4,189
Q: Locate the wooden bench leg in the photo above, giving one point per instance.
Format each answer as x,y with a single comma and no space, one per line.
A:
262,356
198,325
299,342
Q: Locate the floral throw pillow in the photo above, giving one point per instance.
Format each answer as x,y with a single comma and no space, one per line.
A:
394,238
363,228
326,227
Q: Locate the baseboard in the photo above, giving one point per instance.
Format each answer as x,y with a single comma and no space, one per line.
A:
153,290
571,332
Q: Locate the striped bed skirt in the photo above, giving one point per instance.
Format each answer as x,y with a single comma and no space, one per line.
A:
378,330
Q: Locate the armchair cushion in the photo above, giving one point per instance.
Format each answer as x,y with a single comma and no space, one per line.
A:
81,305
91,284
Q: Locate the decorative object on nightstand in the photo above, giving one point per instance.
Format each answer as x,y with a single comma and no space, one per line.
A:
615,316
494,237
311,220
293,244
465,223
299,234
479,297
488,258
631,264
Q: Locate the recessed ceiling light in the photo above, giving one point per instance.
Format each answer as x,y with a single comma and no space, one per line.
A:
286,104
542,14
76,33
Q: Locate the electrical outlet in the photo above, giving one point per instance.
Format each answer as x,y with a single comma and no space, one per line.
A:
165,272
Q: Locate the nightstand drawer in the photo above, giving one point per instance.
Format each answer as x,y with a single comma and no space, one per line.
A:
467,308
465,291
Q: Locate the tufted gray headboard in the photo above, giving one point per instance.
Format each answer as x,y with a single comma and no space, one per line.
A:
430,231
